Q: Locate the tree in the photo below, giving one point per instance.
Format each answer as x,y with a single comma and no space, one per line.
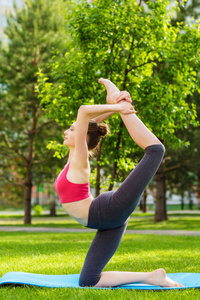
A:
139,51
33,33
186,10
182,167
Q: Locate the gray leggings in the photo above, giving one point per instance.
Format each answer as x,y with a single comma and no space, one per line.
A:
109,213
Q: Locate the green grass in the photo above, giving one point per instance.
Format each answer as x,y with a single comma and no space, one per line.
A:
174,223
181,222
63,253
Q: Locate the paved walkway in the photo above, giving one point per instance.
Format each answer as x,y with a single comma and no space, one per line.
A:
46,212
79,230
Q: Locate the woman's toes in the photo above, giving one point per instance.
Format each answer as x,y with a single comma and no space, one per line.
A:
101,80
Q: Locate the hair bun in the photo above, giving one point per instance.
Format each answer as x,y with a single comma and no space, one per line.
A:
95,132
103,129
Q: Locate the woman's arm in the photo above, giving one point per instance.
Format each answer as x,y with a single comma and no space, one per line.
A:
103,117
85,114
126,97
92,111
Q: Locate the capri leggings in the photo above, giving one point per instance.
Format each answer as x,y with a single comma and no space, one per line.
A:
109,213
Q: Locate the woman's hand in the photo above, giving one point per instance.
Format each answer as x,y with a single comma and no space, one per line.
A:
126,107
125,100
124,95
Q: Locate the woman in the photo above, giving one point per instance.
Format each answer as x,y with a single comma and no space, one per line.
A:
109,212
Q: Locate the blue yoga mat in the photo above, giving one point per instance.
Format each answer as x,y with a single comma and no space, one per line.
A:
189,280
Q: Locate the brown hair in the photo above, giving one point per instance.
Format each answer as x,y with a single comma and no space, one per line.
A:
95,132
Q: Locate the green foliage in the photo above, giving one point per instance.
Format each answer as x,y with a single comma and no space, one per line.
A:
59,149
144,55
38,210
33,34
182,169
140,52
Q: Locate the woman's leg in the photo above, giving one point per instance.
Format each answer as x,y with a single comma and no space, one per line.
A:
157,277
111,209
101,250
126,198
142,136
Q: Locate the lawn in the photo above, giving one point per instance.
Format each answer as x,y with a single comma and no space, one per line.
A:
63,253
181,222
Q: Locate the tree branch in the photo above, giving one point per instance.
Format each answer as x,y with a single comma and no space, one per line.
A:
36,162
136,67
44,124
126,71
180,165
140,3
12,182
12,148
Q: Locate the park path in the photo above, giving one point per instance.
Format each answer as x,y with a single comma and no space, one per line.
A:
83,230
80,230
46,212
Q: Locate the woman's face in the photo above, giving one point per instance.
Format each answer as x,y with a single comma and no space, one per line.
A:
69,136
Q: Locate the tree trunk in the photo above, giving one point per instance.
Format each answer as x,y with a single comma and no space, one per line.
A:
37,196
114,173
190,201
198,186
98,180
53,209
144,202
182,201
98,177
29,159
28,190
160,213
198,191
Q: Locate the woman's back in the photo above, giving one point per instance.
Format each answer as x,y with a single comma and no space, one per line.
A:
73,189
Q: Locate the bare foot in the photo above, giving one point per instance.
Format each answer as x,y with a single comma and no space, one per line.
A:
112,90
159,277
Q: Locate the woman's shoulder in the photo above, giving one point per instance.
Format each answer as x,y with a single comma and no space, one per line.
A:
76,163
78,173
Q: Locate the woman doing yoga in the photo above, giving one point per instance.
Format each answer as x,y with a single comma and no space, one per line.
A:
109,212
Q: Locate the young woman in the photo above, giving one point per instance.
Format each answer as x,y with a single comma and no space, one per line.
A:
109,212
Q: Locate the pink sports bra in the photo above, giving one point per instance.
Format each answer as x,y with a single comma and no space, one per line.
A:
68,191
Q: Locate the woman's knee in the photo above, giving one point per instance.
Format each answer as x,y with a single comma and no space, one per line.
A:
88,280
157,148
162,149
